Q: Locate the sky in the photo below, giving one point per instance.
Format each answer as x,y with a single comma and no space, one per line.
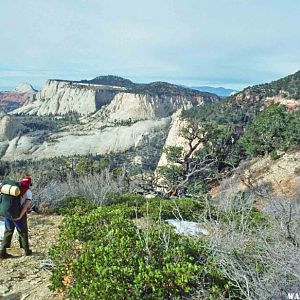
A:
230,43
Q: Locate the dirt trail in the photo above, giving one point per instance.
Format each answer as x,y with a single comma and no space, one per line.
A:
23,277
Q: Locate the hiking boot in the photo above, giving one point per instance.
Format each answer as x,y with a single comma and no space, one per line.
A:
28,252
5,255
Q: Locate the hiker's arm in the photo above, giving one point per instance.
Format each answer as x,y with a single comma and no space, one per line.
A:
24,210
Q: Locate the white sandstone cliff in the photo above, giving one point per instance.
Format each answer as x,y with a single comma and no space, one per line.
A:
35,145
110,102
62,97
174,137
9,129
126,106
113,119
25,87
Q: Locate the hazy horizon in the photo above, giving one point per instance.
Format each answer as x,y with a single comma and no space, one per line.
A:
39,87
231,44
178,82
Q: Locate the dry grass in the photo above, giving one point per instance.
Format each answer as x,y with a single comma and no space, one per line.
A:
261,263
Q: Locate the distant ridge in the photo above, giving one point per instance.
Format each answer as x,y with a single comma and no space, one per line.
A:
111,80
153,88
220,91
285,91
10,100
287,87
168,89
25,88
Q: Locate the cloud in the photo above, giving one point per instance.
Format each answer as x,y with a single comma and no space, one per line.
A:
194,41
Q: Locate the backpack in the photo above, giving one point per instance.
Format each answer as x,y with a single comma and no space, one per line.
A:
10,206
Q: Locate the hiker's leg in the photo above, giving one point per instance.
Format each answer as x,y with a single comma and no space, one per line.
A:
22,229
8,234
20,242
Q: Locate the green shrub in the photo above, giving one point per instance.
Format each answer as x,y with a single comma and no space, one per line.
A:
138,206
273,129
73,204
159,208
274,155
102,255
128,199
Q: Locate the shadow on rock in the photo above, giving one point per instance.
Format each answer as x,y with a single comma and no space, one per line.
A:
15,296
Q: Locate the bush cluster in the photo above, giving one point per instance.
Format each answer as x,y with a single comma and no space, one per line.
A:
71,205
101,254
275,129
161,208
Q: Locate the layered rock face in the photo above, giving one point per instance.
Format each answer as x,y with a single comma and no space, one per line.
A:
11,100
25,87
141,107
112,118
62,97
248,96
284,91
9,129
174,137
37,145
278,178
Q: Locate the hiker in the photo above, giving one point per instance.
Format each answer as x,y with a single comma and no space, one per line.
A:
20,222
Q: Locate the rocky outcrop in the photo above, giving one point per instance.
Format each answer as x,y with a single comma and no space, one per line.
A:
11,100
264,178
2,112
114,103
100,134
281,176
25,88
174,137
9,129
285,91
142,107
249,97
291,104
62,97
113,118
40,144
